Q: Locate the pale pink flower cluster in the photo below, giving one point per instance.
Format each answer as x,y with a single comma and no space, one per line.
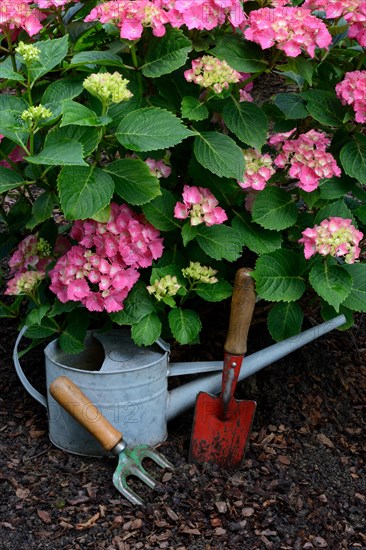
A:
158,168
211,72
54,3
353,11
28,265
101,270
357,24
203,14
17,14
334,237
308,160
258,169
352,91
290,29
333,8
200,205
131,16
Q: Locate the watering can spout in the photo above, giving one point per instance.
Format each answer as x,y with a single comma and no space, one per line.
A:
183,398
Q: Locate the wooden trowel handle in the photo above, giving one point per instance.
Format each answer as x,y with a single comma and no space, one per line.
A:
242,307
79,406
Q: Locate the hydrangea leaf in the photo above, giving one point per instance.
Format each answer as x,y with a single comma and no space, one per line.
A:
274,209
84,191
185,325
278,276
285,320
151,129
331,282
146,331
219,154
247,121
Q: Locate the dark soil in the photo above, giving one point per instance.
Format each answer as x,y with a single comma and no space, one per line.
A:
302,484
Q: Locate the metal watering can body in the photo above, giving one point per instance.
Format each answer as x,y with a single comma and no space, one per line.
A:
129,384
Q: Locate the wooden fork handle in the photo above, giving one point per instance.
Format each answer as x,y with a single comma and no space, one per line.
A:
79,406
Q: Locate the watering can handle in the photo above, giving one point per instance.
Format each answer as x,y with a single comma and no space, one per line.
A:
24,380
242,306
79,406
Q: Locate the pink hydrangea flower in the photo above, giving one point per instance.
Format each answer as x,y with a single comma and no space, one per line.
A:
333,237
54,3
158,168
17,14
352,91
203,14
333,8
357,24
258,170
100,271
131,17
290,29
28,265
200,205
127,238
73,279
307,159
24,283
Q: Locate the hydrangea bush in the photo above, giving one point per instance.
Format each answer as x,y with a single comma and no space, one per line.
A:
149,148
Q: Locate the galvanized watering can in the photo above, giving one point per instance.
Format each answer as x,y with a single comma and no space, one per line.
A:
129,384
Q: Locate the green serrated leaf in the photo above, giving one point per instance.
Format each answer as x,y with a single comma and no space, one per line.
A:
274,208
219,154
159,211
62,90
331,282
328,313
11,125
9,179
42,209
151,129
247,121
84,191
193,109
219,242
86,136
324,107
360,213
189,232
185,325
133,181
356,300
79,115
278,276
167,53
137,305
147,330
36,315
255,237
292,106
285,320
52,52
7,72
334,209
353,158
65,153
73,337
215,292
335,188
241,55
96,57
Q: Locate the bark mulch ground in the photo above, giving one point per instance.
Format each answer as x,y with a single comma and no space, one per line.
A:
302,484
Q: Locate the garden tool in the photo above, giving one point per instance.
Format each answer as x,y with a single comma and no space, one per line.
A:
222,425
78,405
